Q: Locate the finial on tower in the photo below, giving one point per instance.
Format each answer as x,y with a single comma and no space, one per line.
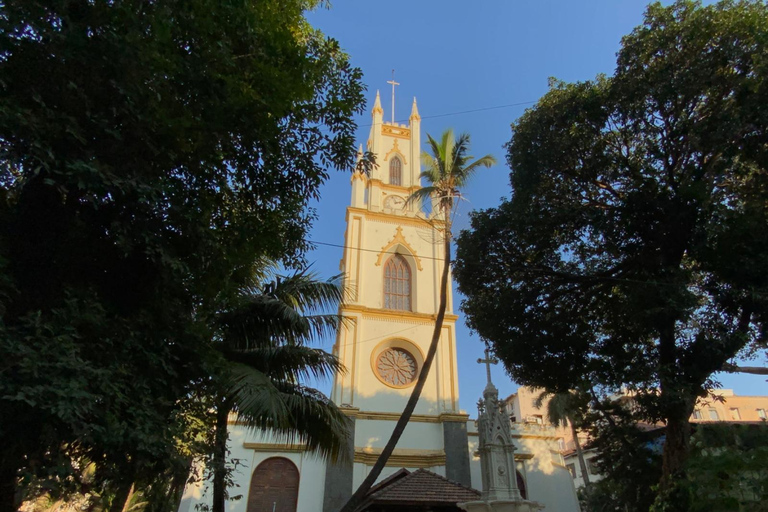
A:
377,105
415,111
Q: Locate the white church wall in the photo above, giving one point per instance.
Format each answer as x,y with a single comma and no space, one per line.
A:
311,473
374,434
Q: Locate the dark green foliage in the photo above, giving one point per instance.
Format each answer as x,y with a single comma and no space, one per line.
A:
727,471
634,250
150,153
628,458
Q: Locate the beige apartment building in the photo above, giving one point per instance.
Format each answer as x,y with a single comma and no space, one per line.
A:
725,405
721,405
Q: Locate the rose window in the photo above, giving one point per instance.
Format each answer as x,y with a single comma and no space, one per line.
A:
396,367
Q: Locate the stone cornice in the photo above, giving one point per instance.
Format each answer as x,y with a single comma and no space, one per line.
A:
269,447
396,219
394,314
402,458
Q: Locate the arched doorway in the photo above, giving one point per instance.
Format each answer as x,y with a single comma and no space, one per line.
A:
274,486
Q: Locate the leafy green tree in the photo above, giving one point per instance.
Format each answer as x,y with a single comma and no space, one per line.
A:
150,153
447,167
726,470
567,410
263,336
628,458
634,249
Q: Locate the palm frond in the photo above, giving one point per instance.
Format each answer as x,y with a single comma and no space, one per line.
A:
305,292
306,417
263,336
254,392
288,363
461,178
446,153
421,196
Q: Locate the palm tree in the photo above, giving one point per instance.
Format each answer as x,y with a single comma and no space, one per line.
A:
262,336
447,167
565,409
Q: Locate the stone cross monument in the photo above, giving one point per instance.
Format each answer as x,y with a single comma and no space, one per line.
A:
497,455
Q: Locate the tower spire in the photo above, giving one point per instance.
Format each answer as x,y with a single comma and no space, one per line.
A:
377,105
415,111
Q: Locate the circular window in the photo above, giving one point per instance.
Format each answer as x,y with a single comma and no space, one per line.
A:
396,367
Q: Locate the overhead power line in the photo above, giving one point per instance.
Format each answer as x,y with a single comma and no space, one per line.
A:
459,112
538,271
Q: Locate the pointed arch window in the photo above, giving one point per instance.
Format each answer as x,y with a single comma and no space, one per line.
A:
395,171
521,485
397,284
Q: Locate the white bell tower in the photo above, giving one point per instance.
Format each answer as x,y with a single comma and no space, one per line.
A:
392,262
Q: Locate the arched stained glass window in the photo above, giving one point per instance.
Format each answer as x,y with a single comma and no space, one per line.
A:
274,486
395,171
397,284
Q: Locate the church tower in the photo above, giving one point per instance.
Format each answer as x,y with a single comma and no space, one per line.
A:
392,262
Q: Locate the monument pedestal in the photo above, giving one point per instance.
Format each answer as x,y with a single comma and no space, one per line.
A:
518,505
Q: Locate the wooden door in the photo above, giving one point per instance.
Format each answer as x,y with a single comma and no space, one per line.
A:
274,486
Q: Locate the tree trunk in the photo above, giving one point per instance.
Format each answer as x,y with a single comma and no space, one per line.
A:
361,491
678,434
8,473
677,407
580,455
219,461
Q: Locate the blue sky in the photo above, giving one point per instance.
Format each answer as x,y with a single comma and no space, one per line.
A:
462,56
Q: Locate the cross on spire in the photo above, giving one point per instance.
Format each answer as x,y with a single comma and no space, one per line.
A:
488,362
393,94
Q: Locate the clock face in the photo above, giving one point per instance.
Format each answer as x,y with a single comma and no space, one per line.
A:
394,202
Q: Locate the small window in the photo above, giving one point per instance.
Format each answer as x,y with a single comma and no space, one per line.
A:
713,415
395,171
761,414
735,414
561,444
592,467
572,469
697,414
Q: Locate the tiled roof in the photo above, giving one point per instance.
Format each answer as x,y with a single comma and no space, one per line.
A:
420,487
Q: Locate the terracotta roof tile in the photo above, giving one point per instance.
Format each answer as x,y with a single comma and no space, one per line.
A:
423,487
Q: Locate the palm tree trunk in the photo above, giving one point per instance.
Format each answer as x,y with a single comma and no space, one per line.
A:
361,491
219,461
580,455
